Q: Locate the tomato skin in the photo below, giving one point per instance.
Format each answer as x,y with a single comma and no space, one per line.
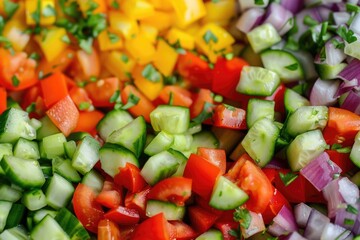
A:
154,228
123,216
200,98
80,96
180,96
226,75
3,97
250,178
229,117
341,159
278,98
108,230
226,223
18,65
175,189
137,201
203,175
54,88
102,90
182,231
110,196
194,69
88,120
276,203
86,209
200,219
130,178
215,156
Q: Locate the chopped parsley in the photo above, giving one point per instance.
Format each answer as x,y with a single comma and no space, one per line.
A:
84,105
10,8
338,44
215,1
131,101
206,113
209,36
309,21
151,74
292,67
31,108
352,209
243,216
6,42
124,58
113,37
49,11
229,56
35,56
2,24
15,81
348,221
288,177
259,2
346,34
352,8
66,39
115,97
115,4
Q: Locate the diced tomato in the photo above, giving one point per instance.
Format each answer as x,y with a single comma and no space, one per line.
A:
86,209
60,63
3,99
64,115
182,231
175,189
203,174
194,69
278,98
110,196
102,90
108,230
123,216
250,178
215,156
88,120
81,98
130,178
200,98
342,127
226,224
229,117
17,71
341,159
226,75
274,206
179,96
204,203
154,228
127,232
144,107
200,219
54,88
85,65
137,201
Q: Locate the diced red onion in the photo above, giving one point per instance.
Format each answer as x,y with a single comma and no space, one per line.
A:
307,62
333,197
283,223
334,232
293,236
293,5
356,227
347,86
341,17
352,102
351,71
302,213
355,24
334,56
315,225
277,16
346,218
320,171
256,225
348,190
323,92
287,27
250,19
246,4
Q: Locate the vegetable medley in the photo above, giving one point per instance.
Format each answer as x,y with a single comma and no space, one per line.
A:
179,119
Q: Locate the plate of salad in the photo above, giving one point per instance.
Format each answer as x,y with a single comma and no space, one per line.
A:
179,119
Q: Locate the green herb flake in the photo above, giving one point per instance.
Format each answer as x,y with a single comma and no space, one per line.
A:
229,56
93,79
151,74
114,98
206,113
338,44
35,56
243,216
131,101
292,67
66,39
37,14
6,42
84,106
114,4
209,36
288,177
2,24
346,34
10,8
259,2
31,108
229,107
348,221
124,58
351,8
86,45
234,233
171,98
15,81
352,209
48,11
113,37
309,21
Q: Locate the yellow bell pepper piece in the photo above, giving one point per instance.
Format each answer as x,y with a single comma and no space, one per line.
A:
123,24
14,31
219,12
109,40
149,32
150,88
165,58
53,42
185,40
213,40
137,9
160,20
141,49
163,5
40,12
94,6
2,8
188,11
119,64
